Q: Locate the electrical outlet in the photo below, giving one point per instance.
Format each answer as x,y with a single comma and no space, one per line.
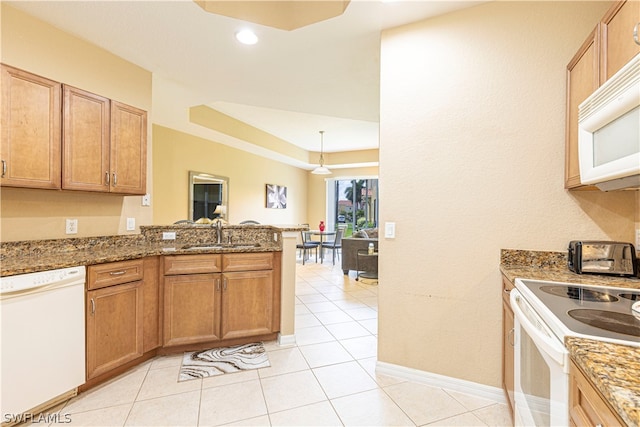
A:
131,224
275,237
637,239
168,235
146,200
72,226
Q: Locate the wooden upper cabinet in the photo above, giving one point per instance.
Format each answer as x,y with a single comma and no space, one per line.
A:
105,144
618,42
128,149
582,80
31,138
58,136
86,141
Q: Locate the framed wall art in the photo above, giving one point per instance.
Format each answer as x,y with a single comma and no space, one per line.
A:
276,196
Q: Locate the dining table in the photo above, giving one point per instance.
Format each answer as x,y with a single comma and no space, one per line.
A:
322,234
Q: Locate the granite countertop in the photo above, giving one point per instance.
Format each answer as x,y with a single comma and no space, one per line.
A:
53,260
41,255
613,369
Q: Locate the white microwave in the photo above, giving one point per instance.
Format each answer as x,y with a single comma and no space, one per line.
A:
609,132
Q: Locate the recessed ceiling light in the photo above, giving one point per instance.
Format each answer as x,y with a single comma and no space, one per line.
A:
246,37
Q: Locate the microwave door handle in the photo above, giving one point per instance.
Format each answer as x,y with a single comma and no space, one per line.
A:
548,343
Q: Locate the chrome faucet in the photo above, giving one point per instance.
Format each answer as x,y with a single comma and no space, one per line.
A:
218,232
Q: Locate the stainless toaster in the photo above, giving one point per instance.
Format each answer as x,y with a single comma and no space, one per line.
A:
602,257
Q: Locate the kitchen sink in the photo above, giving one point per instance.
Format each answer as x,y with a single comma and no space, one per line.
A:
204,246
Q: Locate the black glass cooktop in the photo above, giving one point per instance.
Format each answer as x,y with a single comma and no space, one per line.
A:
598,312
608,320
578,293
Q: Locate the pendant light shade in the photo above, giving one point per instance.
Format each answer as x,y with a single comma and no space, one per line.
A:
321,170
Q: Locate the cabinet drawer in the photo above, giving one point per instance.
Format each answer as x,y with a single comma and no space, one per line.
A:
192,264
507,286
114,273
248,262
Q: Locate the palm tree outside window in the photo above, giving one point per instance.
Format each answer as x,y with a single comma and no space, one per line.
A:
356,203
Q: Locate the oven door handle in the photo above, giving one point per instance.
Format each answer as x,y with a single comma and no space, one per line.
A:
540,333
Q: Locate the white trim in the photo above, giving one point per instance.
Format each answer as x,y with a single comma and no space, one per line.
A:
286,340
436,380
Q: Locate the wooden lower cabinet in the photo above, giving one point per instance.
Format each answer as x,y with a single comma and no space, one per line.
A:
114,327
191,308
247,307
508,345
122,309
586,406
212,307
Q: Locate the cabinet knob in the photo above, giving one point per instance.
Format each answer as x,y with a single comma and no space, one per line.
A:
635,33
4,168
93,307
115,179
106,176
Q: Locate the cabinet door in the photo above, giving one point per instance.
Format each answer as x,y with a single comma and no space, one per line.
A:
128,149
582,80
31,130
508,353
247,304
618,43
114,327
85,160
586,406
191,308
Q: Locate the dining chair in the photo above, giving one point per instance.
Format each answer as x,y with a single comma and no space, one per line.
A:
335,245
307,245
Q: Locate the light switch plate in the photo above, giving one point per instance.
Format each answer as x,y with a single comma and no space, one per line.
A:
146,200
131,224
390,230
168,235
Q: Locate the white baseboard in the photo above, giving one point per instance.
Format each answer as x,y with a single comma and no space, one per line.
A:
286,340
436,380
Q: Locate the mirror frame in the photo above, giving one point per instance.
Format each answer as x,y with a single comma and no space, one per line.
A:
194,177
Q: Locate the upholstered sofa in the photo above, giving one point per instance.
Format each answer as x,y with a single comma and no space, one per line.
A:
350,247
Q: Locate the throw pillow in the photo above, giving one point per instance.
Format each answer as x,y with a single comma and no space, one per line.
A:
372,233
361,234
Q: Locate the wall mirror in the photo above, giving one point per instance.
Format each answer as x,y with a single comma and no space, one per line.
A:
208,196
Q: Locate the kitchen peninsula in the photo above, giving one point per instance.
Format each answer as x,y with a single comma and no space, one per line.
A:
161,270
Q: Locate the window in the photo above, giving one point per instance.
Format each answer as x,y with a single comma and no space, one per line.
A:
356,204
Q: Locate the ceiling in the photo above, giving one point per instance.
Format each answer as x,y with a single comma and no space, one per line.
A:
291,84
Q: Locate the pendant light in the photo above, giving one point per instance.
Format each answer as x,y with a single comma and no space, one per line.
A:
321,170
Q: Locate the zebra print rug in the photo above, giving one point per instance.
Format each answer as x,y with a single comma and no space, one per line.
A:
218,361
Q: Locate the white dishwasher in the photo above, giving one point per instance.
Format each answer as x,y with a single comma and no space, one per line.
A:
42,334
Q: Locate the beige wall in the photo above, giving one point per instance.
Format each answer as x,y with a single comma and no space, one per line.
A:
37,47
471,161
176,153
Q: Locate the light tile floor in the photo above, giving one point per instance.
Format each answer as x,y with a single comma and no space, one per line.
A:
327,379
